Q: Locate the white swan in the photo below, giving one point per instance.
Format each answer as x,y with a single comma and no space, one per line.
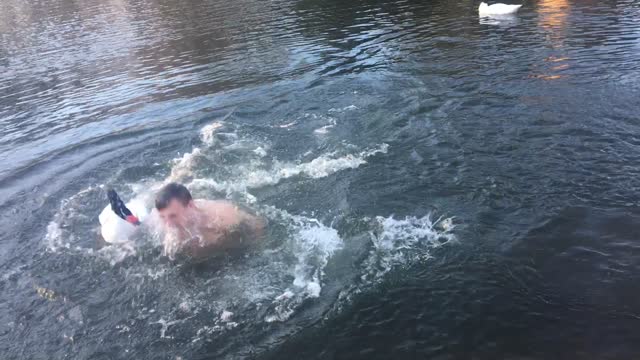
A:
116,230
497,9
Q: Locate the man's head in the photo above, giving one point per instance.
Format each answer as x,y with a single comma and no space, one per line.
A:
174,203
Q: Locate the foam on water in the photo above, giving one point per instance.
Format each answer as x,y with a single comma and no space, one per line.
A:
253,176
312,244
53,238
340,110
397,244
183,166
208,131
403,242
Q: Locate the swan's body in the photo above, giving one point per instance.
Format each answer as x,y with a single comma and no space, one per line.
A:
498,9
114,229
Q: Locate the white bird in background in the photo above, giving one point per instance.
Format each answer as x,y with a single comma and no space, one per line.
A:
497,9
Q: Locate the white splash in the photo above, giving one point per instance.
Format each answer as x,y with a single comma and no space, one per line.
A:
404,242
324,129
183,166
207,133
320,167
165,326
53,238
346,108
287,125
313,244
226,316
116,253
260,151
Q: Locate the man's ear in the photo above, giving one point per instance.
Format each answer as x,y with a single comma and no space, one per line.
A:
191,204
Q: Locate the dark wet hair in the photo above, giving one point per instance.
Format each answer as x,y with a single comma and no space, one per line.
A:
172,191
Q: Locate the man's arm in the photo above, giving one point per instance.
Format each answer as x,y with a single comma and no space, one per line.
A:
256,223
240,218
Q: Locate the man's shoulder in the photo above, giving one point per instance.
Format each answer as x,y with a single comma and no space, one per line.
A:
214,205
213,202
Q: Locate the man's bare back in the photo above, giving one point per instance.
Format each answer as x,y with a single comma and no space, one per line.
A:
218,225
200,227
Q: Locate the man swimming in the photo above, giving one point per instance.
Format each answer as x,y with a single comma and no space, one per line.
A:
199,227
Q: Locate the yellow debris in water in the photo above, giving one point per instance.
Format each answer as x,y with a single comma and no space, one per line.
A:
49,294
46,293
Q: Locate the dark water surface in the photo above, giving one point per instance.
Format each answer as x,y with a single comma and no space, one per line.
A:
345,123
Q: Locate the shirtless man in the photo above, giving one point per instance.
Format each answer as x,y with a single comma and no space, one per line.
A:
200,227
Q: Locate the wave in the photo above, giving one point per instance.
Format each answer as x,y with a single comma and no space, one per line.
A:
398,244
406,241
312,244
251,176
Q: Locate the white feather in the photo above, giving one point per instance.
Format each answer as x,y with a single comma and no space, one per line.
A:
115,230
498,9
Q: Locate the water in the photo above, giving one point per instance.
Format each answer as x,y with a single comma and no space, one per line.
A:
437,185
